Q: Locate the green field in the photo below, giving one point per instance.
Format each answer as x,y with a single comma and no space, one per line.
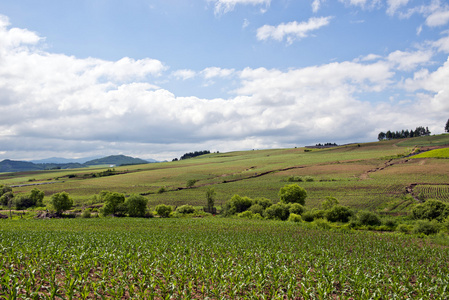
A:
213,258
437,153
370,176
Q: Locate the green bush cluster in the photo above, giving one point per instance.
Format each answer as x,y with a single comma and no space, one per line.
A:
115,204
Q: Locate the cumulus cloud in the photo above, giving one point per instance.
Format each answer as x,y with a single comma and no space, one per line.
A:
59,105
316,4
225,6
292,30
438,18
394,5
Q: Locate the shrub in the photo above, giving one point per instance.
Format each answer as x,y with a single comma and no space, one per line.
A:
86,214
322,223
61,202
293,193
246,214
308,216
257,209
185,209
113,203
163,210
390,222
329,203
296,208
368,218
161,190
426,227
339,213
136,205
278,211
191,183
294,218
430,210
264,202
237,204
404,228
308,178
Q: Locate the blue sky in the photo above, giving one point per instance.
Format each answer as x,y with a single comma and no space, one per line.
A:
156,79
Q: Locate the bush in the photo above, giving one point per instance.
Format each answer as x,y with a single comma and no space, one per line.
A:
293,193
191,183
368,218
161,190
61,202
264,202
426,227
86,214
114,203
163,210
339,213
185,209
278,211
136,205
329,203
322,223
390,222
431,210
294,218
257,209
404,228
308,216
296,208
237,204
246,214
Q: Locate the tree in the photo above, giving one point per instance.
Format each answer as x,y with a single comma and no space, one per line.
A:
278,211
430,210
293,193
339,213
446,128
329,203
136,205
164,210
37,197
381,136
210,199
61,202
113,203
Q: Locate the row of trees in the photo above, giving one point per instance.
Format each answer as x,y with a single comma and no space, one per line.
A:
192,154
390,135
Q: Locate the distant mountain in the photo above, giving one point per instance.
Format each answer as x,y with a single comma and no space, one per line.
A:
61,160
8,165
117,160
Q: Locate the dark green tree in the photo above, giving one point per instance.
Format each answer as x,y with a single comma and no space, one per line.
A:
446,128
114,203
210,199
61,202
136,205
293,193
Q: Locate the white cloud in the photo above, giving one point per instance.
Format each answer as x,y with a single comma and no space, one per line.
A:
292,30
364,4
184,74
316,4
212,72
442,44
407,61
394,5
438,18
225,6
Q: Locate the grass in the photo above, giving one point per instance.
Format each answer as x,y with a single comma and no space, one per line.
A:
437,153
359,175
213,258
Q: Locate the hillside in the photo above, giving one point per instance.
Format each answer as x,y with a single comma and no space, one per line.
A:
375,176
117,160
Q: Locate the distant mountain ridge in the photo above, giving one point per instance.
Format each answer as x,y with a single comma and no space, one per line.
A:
8,165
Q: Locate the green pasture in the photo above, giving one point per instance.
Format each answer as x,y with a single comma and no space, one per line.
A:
437,153
362,176
213,258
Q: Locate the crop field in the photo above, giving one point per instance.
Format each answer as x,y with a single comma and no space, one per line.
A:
214,258
362,176
437,153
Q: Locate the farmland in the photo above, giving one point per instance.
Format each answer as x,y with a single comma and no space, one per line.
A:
213,258
372,176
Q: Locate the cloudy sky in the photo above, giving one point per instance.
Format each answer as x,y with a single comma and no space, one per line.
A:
158,78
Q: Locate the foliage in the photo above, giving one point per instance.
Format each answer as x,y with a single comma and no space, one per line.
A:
237,204
35,198
293,193
446,127
426,227
339,213
194,154
136,205
430,210
329,203
368,218
257,209
278,211
246,214
264,202
294,218
163,210
191,182
389,135
308,216
114,203
61,202
296,208
210,198
246,259
185,209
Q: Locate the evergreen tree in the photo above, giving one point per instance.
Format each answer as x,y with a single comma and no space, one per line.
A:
446,128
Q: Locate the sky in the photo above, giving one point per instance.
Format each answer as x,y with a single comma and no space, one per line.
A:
159,78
